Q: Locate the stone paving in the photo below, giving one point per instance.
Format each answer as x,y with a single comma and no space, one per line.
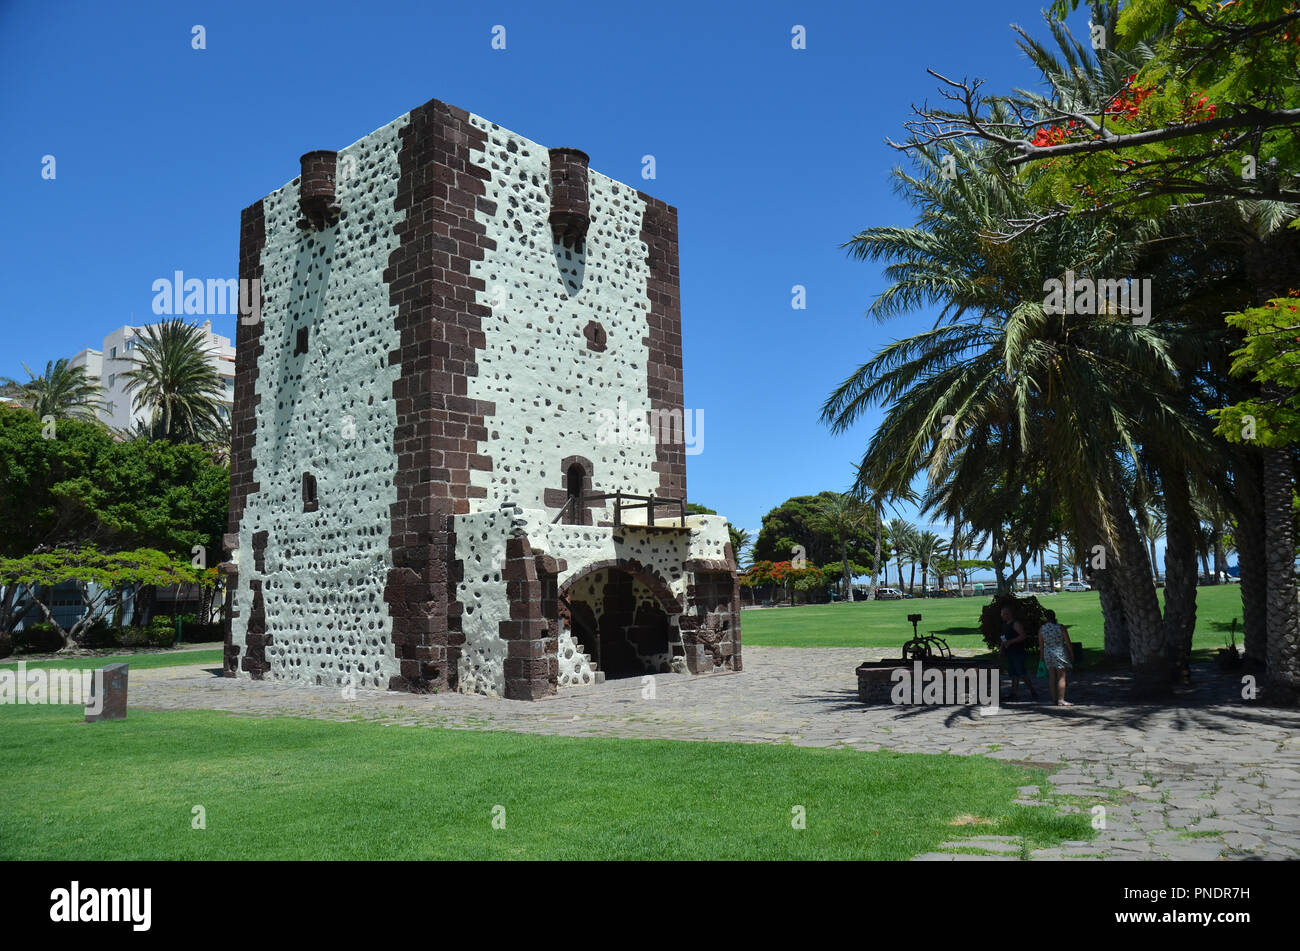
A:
1205,776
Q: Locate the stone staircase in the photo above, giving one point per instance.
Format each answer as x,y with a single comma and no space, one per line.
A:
576,666
586,659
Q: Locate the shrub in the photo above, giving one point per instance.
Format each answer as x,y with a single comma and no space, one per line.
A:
161,632
202,633
1027,610
134,636
6,644
100,635
40,638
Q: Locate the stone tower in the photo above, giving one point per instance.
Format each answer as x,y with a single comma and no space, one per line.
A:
459,439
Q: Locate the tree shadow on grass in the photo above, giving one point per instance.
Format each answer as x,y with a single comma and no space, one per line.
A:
956,632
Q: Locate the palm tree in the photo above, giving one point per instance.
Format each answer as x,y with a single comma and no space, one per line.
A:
740,544
62,391
901,535
929,547
1267,256
1000,391
963,541
176,382
844,518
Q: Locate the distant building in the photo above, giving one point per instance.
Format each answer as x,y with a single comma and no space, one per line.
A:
110,365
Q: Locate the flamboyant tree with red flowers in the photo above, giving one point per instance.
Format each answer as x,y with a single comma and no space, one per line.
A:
1207,112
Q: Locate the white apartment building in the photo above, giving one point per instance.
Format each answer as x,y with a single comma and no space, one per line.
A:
109,366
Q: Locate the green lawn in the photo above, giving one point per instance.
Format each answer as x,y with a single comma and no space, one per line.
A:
137,661
885,624
302,789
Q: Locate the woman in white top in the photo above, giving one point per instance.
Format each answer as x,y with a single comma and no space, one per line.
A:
1058,656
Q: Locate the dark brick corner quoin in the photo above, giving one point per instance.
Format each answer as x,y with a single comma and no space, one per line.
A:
243,417
439,429
532,668
664,337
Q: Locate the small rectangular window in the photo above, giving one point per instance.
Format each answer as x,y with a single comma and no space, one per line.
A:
309,501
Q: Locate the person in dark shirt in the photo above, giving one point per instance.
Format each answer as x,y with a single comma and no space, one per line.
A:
1012,647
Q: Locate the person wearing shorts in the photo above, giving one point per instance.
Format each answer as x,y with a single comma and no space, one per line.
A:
1012,647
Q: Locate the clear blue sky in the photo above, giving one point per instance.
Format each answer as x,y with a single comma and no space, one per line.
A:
774,157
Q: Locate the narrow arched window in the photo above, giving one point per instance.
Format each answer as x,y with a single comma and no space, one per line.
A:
574,482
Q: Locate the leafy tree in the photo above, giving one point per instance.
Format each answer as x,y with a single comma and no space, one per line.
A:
81,488
109,573
795,522
1184,103
808,579
1270,356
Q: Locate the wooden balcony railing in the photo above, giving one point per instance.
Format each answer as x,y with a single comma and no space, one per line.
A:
626,500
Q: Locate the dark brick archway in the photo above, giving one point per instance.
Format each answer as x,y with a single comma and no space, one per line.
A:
631,637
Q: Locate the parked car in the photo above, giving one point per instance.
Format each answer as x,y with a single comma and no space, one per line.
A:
1078,586
888,594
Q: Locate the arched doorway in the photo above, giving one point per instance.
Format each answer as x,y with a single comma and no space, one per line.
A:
624,620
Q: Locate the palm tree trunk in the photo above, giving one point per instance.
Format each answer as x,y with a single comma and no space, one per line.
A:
848,578
875,564
1152,658
1181,529
1249,535
998,553
1114,627
955,556
1283,653
1270,265
911,584
1114,624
